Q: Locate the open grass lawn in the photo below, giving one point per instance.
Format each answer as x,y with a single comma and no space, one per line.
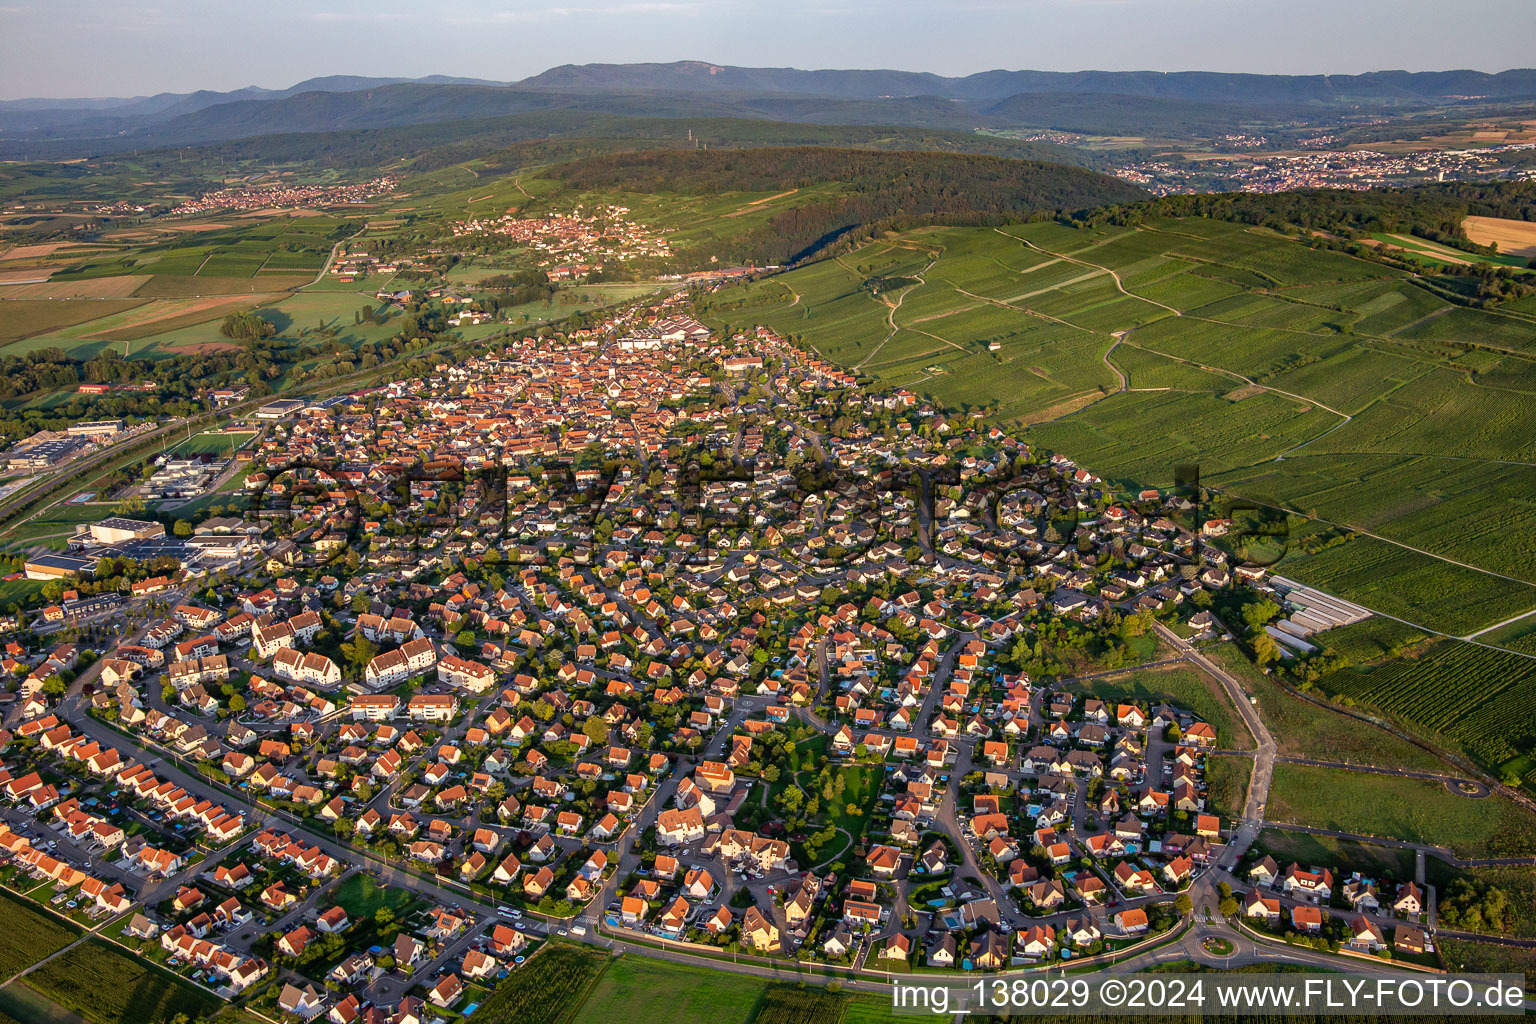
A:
1182,687
59,521
361,896
547,989
1413,810
105,985
19,591
638,988
1342,855
1303,729
29,934
867,1009
1226,779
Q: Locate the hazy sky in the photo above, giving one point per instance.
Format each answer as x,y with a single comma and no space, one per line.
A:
122,48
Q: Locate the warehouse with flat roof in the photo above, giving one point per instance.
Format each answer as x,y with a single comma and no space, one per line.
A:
58,567
118,530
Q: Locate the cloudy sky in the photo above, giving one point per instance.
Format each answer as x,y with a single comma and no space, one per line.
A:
123,48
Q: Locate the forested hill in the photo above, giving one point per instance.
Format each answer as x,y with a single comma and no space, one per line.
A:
524,140
883,189
1430,211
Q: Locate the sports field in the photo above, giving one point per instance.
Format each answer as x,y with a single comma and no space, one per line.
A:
213,443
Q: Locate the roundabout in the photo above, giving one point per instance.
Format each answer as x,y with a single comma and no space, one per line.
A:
1217,946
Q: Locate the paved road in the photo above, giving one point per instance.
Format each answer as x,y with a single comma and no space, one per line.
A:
1264,758
383,989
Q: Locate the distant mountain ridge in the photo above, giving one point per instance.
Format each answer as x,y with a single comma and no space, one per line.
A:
52,128
996,85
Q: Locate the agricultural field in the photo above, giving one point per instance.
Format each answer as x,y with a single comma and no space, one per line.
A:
1460,695
1434,254
106,986
1397,581
1488,957
30,934
226,248
1513,237
547,989
1374,639
1304,729
797,1004
1390,807
1181,687
23,318
636,988
1336,387
151,283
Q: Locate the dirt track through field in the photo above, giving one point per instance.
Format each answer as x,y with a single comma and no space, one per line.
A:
759,202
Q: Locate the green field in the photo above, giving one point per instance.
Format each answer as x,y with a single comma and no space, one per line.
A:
1517,636
636,988
24,318
547,989
234,250
1465,954
1332,386
107,986
362,897
1181,687
30,934
1458,695
1226,779
1341,855
1412,810
1304,729
222,443
20,1002
1435,254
